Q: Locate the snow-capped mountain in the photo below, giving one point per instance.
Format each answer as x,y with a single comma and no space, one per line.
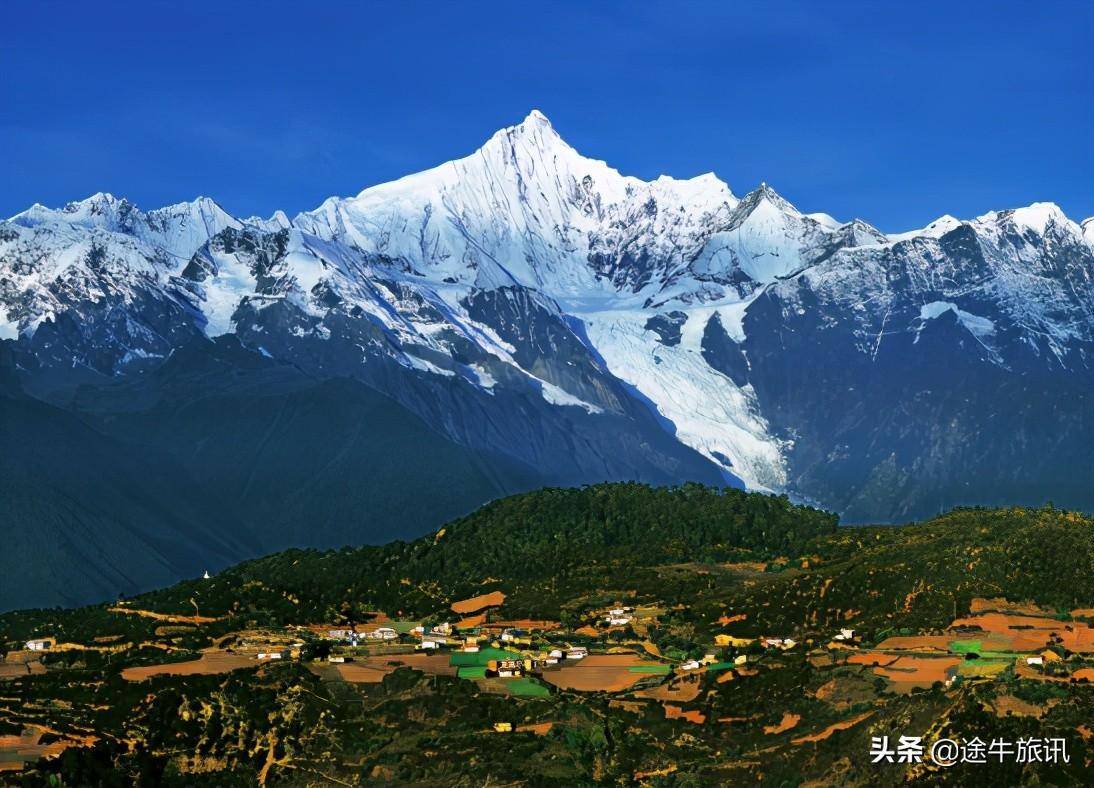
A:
529,301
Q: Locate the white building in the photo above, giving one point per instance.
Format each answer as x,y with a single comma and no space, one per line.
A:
691,665
1035,661
577,653
37,645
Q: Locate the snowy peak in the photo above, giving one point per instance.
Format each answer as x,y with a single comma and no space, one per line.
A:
765,238
763,199
179,229
1039,218
99,210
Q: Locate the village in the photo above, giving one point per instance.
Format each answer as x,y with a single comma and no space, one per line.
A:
609,651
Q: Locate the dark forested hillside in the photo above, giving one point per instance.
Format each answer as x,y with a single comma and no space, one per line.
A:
707,637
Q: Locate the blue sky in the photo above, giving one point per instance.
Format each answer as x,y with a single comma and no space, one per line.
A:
893,112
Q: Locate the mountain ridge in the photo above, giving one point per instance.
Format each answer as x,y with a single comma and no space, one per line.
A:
507,295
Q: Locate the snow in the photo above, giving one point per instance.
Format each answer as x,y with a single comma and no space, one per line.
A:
978,326
558,396
707,410
731,315
9,329
1038,216
223,293
179,230
520,210
611,250
936,229
825,220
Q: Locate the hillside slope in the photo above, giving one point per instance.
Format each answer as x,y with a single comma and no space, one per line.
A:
728,667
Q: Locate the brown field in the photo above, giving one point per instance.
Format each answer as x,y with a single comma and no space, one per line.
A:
1004,622
435,664
11,669
917,643
15,751
786,723
358,673
471,622
1008,704
538,728
1024,671
1001,605
211,662
1083,612
525,623
842,692
476,603
833,728
677,713
598,673
683,690
908,673
1029,633
871,658
1078,637
1083,674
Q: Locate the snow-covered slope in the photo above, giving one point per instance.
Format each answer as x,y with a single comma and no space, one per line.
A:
179,230
525,278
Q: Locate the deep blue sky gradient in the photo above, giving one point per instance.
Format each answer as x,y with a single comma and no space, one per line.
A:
893,112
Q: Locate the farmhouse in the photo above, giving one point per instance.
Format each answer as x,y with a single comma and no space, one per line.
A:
38,645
